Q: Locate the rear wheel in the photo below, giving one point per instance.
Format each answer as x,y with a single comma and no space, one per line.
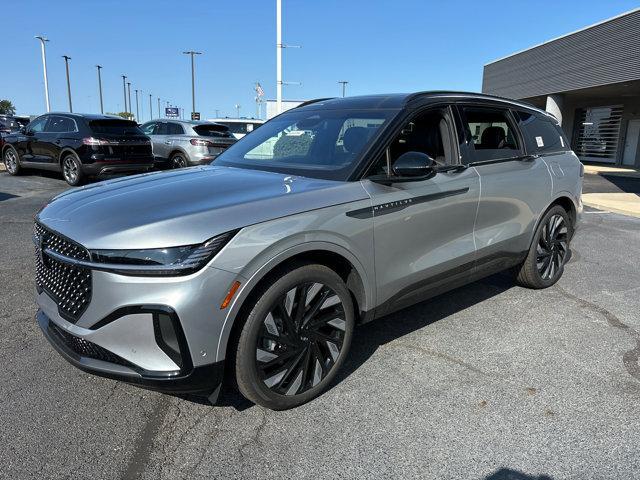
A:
178,160
295,339
549,251
11,162
72,170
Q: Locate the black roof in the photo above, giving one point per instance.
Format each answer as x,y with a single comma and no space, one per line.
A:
400,100
88,116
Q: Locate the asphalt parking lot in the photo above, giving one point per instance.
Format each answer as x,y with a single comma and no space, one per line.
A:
490,381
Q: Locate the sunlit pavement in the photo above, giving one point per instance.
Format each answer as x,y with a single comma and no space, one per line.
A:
489,381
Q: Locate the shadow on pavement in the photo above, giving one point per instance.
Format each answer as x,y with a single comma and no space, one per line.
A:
508,474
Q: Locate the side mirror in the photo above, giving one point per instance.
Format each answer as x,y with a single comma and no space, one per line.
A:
414,164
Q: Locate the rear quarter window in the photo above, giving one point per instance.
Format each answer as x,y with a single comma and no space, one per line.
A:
213,130
541,133
115,127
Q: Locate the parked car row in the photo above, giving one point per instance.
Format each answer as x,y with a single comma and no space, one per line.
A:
80,145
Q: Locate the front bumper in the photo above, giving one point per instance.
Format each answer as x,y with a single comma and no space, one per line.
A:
91,358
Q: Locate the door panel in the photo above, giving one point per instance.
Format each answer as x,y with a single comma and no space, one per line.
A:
513,195
423,235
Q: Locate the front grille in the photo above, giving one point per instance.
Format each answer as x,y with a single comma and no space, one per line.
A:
69,286
85,348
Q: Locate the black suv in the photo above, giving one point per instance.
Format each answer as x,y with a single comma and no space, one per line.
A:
78,145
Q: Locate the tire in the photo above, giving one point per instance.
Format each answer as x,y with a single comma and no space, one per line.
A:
72,170
178,160
289,351
12,161
549,250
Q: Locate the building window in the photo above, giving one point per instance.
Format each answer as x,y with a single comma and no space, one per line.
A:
597,133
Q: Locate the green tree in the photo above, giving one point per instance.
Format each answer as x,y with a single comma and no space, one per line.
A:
7,108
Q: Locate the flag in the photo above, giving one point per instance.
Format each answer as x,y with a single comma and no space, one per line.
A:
259,90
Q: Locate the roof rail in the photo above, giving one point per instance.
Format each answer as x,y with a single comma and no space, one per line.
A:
315,100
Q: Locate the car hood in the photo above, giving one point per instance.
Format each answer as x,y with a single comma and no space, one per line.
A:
184,207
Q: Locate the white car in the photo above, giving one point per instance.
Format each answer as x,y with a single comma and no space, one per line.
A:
239,126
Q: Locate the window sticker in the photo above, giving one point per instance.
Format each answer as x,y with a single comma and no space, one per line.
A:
561,141
539,141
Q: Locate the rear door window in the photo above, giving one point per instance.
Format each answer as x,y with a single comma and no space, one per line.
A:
61,125
493,135
161,128
175,129
115,127
541,133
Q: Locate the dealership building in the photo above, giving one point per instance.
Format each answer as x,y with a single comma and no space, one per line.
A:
589,79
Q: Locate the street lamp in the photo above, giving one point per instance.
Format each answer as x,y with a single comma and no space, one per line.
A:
66,65
159,114
150,108
137,106
99,67
237,105
193,81
124,90
344,86
44,68
129,95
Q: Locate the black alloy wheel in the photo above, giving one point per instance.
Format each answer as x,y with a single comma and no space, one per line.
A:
553,247
295,338
300,339
178,161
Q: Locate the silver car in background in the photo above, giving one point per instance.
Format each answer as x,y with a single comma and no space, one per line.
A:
181,143
331,214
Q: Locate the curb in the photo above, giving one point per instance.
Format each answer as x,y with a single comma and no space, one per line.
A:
606,208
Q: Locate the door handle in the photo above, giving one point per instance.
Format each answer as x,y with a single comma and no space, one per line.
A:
168,142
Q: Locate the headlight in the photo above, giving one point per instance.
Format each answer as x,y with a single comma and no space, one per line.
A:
161,261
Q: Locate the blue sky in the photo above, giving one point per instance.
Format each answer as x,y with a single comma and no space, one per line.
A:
379,46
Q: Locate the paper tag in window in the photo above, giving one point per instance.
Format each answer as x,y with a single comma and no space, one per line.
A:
249,127
539,141
295,133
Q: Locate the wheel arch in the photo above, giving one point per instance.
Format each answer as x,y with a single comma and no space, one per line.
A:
564,200
333,256
64,152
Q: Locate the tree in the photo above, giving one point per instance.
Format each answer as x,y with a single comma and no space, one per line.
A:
7,108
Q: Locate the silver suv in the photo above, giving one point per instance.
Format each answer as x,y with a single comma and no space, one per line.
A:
180,143
331,214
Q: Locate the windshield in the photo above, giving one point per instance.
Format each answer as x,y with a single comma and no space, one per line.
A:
115,127
313,143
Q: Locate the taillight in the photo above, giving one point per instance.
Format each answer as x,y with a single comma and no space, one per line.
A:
98,141
202,143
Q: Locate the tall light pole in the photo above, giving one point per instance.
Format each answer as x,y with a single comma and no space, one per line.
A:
151,108
159,114
44,68
279,47
279,56
129,95
99,67
193,79
237,105
141,105
124,90
137,106
344,86
66,65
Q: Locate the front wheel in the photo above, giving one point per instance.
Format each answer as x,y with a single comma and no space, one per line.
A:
549,250
11,162
72,170
295,338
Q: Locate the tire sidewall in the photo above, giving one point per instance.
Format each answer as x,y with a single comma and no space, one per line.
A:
173,161
556,210
246,371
